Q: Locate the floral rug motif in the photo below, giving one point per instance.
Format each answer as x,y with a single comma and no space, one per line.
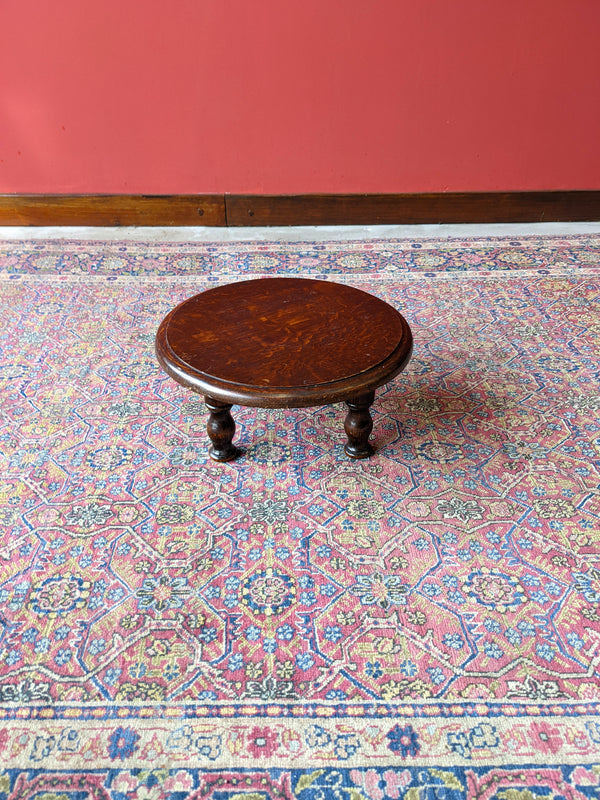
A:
293,624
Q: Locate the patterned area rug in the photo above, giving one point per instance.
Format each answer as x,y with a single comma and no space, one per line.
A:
294,624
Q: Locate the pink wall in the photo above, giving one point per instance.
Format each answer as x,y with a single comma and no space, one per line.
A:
290,96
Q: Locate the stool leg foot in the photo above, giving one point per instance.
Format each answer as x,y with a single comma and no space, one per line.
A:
220,428
358,426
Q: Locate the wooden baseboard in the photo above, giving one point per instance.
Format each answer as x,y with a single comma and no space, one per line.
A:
309,209
113,209
413,209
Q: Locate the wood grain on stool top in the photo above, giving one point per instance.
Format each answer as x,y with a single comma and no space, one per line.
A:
283,342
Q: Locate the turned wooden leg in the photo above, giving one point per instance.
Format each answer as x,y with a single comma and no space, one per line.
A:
358,426
220,428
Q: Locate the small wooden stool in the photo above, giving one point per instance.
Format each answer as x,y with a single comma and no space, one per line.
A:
284,343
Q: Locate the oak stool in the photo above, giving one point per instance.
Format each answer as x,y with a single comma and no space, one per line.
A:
284,343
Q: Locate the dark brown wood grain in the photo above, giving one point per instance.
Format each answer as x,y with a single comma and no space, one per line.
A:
284,342
306,209
221,430
358,426
112,210
413,209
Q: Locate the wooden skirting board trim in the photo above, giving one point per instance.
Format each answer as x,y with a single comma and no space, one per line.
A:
112,209
413,209
308,209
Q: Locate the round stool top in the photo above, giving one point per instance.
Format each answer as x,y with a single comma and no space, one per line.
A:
283,342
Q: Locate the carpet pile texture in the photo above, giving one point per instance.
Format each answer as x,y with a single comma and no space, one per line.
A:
421,624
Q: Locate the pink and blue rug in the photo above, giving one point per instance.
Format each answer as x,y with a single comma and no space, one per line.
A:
422,624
